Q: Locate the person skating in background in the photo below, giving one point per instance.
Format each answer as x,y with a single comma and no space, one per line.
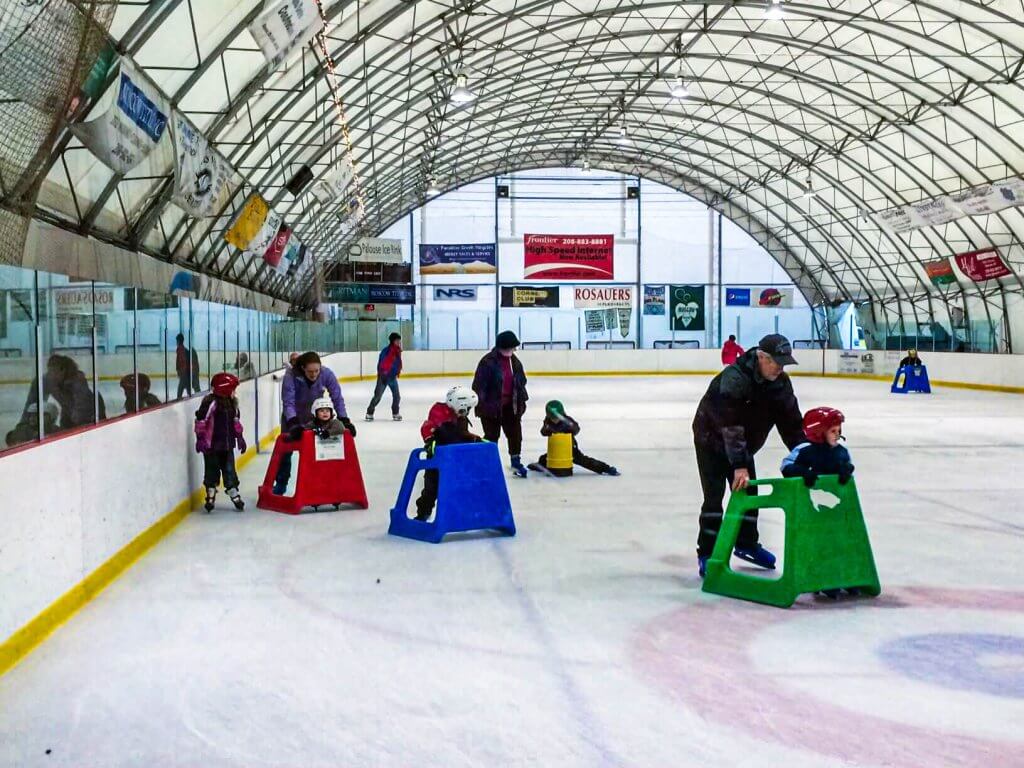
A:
28,427
912,359
731,350
67,385
244,366
218,431
500,385
741,406
308,381
140,382
447,424
389,368
557,421
821,455
288,369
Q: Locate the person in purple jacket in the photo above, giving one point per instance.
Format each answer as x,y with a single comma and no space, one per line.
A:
307,382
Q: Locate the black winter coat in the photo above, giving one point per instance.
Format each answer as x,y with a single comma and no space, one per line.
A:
487,385
740,409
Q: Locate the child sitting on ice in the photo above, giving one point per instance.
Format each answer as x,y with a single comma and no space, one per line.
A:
556,421
446,424
822,454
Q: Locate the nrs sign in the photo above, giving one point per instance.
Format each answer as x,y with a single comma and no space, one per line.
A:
452,293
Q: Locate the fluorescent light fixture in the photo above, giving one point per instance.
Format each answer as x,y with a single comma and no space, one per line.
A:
461,95
623,139
432,189
809,192
585,165
774,11
679,89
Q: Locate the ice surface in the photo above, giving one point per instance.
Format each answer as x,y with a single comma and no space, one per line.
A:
258,639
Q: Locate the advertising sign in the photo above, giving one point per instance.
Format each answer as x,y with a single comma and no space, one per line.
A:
764,298
737,297
376,249
79,300
982,265
654,299
455,293
512,296
364,293
587,297
569,257
458,259
687,307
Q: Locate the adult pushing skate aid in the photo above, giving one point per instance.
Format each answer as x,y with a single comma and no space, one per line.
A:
911,379
471,493
328,475
826,547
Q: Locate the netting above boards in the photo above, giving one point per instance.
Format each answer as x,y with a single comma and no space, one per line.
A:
834,132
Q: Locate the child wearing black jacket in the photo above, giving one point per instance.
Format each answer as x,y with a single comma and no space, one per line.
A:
556,421
822,454
446,424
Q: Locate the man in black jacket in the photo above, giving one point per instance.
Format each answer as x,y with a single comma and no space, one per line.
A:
742,405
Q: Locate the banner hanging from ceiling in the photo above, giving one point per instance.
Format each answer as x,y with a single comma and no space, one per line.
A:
940,271
248,223
687,307
334,185
458,259
285,26
569,257
275,251
977,201
982,265
258,246
203,180
132,125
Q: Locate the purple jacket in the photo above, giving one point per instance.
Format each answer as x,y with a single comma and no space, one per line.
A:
208,437
298,394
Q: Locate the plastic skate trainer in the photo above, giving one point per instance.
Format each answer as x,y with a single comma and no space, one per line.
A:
472,494
328,475
560,454
911,378
826,547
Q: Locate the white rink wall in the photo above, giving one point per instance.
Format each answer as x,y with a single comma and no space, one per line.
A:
73,502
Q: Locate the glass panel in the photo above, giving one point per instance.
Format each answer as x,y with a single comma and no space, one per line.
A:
66,317
115,347
17,355
156,356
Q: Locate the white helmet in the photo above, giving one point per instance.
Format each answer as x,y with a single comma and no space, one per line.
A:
461,400
322,402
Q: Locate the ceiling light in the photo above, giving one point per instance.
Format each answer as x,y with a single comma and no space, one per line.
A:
432,189
809,192
585,165
774,11
679,89
623,139
461,95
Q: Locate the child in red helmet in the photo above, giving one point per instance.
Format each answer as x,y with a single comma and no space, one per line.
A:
822,454
218,432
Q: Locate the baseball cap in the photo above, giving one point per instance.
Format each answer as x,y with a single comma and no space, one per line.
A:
778,346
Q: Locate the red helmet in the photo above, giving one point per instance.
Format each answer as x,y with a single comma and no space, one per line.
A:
818,421
224,384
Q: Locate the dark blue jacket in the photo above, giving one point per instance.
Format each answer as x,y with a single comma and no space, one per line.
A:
487,385
816,459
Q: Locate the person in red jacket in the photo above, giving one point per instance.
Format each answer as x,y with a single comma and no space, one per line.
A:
731,351
389,368
447,424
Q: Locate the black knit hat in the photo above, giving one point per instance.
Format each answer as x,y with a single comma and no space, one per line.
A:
506,340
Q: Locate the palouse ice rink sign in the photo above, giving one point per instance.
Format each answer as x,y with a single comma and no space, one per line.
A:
587,297
569,257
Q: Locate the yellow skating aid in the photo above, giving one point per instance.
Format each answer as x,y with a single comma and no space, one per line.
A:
560,454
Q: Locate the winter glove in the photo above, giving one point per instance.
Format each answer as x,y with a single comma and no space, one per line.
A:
295,433
845,474
347,422
810,478
321,431
240,443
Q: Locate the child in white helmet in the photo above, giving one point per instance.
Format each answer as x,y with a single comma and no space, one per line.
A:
324,422
446,424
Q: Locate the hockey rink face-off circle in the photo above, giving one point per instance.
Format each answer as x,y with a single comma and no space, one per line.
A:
259,639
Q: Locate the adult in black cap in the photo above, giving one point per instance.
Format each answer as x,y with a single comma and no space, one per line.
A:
742,405
500,385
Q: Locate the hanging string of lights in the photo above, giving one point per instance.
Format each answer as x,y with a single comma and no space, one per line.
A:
339,108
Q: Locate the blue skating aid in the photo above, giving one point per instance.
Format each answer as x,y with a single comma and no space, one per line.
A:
911,378
472,494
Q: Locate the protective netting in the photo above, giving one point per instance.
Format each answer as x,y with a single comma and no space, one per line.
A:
46,49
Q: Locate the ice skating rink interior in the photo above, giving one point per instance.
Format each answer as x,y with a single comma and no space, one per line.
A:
258,639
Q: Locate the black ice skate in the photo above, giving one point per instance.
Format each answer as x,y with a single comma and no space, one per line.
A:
236,499
211,496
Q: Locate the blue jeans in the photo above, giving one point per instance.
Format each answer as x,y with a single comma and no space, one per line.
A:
378,392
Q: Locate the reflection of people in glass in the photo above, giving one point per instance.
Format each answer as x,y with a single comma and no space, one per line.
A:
246,370
187,367
140,382
66,384
28,428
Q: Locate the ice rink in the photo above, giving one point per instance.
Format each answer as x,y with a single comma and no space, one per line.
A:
258,639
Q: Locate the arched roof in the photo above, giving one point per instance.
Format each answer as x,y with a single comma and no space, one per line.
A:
877,102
